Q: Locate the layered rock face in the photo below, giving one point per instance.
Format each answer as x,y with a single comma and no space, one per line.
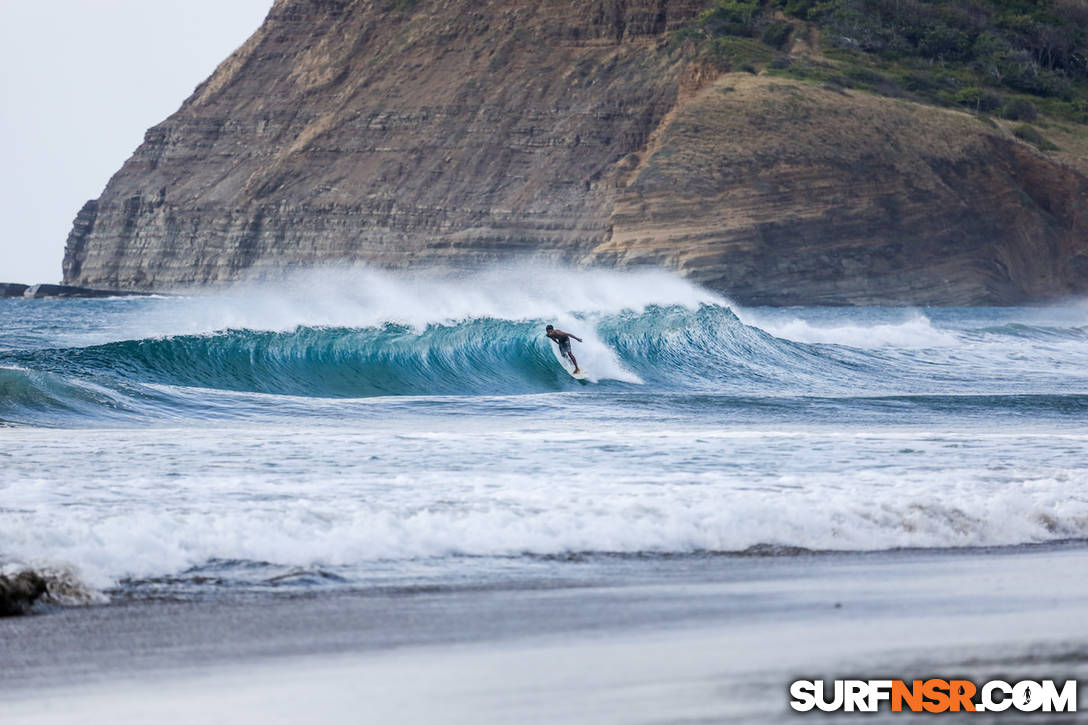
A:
780,193
456,133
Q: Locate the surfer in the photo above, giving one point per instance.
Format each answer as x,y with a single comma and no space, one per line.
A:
563,340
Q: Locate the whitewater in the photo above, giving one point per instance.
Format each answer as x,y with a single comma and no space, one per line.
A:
362,429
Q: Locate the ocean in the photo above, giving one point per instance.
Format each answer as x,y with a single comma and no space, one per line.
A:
414,437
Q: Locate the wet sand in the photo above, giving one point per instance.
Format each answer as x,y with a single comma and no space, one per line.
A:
715,639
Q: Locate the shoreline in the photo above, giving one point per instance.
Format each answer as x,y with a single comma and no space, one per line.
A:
720,639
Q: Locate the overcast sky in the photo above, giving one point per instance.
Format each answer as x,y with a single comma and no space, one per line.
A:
80,82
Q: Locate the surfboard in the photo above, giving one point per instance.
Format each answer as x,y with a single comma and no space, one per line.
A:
582,374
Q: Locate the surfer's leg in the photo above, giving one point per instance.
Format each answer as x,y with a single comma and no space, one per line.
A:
574,362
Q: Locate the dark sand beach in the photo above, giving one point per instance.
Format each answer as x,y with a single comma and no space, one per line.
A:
712,639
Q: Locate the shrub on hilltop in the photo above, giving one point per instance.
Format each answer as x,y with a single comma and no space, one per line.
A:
984,55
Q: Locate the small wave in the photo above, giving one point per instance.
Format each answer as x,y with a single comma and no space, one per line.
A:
1045,333
918,331
345,539
42,397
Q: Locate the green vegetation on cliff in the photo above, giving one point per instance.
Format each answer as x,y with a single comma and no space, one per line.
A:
1009,58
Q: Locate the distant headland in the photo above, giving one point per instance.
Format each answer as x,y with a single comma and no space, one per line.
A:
42,291
766,149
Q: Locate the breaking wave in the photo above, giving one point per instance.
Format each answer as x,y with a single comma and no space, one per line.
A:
707,516
704,428
393,336
670,346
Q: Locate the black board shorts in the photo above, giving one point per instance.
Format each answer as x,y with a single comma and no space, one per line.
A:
564,346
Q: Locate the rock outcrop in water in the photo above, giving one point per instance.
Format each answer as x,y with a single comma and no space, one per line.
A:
13,289
45,291
453,133
19,592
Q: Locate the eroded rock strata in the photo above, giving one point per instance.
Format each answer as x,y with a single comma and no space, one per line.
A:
456,133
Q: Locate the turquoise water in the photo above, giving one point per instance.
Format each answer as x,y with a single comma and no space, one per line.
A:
364,429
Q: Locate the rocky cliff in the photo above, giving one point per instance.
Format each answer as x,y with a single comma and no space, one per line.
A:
457,132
